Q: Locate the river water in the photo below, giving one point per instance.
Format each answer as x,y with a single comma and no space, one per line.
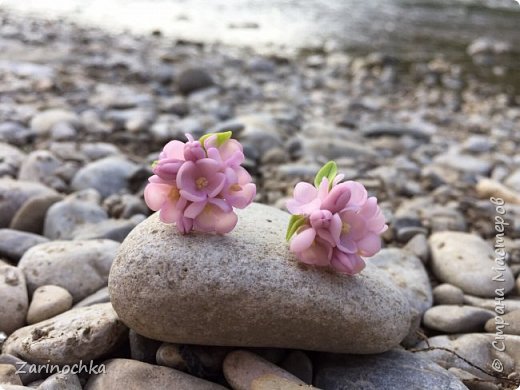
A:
404,27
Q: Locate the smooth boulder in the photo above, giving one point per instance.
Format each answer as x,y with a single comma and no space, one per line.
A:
247,289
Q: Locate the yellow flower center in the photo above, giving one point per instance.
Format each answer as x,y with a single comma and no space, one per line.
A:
174,194
235,187
345,228
201,182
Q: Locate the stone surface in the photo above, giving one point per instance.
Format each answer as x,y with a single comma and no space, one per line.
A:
9,376
79,334
467,261
395,369
31,216
10,159
418,246
193,79
61,381
30,372
14,193
44,121
64,218
48,301
511,323
100,296
142,348
124,374
108,175
246,289
14,302
41,166
80,267
507,305
298,364
476,348
242,368
447,294
14,243
456,319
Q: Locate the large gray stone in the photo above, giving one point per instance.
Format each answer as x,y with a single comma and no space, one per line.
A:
125,374
80,267
246,289
14,243
396,369
80,334
457,319
467,261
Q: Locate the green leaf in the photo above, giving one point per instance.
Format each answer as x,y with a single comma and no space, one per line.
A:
329,171
154,164
221,137
295,223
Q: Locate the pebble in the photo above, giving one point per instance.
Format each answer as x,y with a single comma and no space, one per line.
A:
243,368
466,261
447,294
31,216
8,375
109,175
507,304
79,334
456,318
61,381
100,296
395,369
476,348
112,229
65,217
11,159
41,166
396,130
193,79
48,301
134,375
512,319
14,302
14,193
419,247
255,260
14,243
14,133
513,180
30,374
487,188
464,163
80,267
299,364
43,122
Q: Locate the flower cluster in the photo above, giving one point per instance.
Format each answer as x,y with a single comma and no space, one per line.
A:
197,184
333,223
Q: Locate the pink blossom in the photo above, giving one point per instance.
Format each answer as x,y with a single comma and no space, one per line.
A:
196,185
336,224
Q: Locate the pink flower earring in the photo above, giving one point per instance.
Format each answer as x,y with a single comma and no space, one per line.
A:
333,223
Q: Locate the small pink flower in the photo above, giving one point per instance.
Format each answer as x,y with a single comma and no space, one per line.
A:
200,180
164,196
213,219
348,263
193,150
311,249
307,198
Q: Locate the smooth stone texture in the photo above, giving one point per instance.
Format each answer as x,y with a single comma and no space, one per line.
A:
44,121
467,261
108,175
30,373
79,334
31,216
112,229
61,381
272,382
80,267
100,296
65,217
14,193
246,289
487,188
507,305
10,159
193,79
14,299
41,166
418,245
124,374
448,294
47,302
456,319
409,275
396,130
512,319
242,368
396,369
14,243
476,348
8,375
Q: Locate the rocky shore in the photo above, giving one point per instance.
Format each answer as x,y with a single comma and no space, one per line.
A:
83,114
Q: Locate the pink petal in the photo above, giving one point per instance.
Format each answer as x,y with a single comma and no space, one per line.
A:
304,192
226,222
302,240
186,177
169,212
222,204
350,264
216,184
358,192
369,245
174,149
194,209
155,194
317,254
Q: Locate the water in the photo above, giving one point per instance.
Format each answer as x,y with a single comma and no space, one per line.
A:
416,27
